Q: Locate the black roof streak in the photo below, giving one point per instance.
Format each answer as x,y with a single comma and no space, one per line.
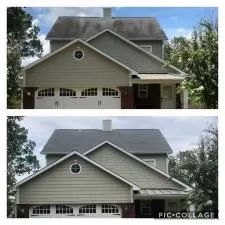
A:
71,27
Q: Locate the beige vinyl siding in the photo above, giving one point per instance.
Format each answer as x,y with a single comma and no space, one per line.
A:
54,45
128,54
156,46
160,160
62,70
59,185
130,169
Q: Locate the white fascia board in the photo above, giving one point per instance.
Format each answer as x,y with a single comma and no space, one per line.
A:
139,160
136,46
86,44
135,187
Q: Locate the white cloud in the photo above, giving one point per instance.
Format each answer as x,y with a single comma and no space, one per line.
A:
46,50
54,12
36,22
177,32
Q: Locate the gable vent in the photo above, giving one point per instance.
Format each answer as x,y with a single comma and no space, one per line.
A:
107,12
107,125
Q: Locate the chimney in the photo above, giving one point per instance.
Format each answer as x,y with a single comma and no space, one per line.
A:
107,125
107,13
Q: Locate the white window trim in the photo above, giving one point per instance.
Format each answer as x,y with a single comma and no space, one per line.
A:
170,95
74,164
67,206
76,214
39,214
87,207
67,90
150,160
109,207
76,51
147,46
86,90
150,207
43,89
110,91
140,90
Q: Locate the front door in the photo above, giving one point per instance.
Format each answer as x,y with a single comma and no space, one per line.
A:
146,96
168,96
149,208
157,206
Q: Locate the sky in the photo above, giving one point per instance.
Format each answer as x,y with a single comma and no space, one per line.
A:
181,132
175,21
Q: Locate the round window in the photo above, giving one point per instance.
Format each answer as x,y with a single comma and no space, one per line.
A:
75,168
78,54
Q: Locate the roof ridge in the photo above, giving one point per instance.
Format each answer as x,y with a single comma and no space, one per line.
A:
114,17
112,129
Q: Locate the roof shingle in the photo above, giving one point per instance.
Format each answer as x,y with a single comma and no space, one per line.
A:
142,141
69,27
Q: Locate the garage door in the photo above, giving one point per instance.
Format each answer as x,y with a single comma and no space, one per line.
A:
74,98
76,211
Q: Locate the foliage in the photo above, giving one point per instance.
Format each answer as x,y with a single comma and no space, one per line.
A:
20,156
198,168
198,57
22,41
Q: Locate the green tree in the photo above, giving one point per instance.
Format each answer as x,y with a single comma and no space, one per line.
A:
22,41
20,156
198,168
198,57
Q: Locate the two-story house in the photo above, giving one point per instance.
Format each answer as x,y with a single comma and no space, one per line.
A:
102,173
104,63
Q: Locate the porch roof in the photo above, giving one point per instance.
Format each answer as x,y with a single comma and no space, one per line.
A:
160,193
159,77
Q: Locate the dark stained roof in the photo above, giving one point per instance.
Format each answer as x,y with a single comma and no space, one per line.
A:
138,141
132,28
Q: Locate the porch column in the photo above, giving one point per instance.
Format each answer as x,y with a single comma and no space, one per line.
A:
192,208
185,99
15,208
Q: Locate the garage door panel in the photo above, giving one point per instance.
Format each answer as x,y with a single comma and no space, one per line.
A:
76,211
77,98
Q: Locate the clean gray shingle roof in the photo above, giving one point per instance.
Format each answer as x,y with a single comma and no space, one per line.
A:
132,28
64,141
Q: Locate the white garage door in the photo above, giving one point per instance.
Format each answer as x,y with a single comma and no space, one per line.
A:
76,211
89,98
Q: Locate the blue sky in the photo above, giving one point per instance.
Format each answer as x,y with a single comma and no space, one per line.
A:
175,21
170,18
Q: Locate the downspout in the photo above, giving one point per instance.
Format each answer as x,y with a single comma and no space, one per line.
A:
130,78
22,89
